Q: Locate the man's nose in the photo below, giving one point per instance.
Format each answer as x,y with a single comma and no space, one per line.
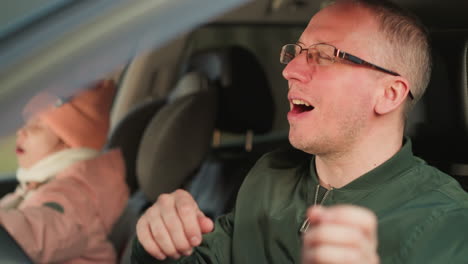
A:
298,69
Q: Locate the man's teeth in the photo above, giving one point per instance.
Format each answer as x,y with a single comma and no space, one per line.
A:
300,102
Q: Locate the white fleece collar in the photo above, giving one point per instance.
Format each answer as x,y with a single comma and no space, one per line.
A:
49,166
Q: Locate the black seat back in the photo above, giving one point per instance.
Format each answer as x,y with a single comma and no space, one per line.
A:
127,136
438,125
178,137
246,109
175,139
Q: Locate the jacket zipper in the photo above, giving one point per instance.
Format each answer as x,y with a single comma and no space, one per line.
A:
306,224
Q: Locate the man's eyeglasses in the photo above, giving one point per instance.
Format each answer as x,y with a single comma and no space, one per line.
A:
326,54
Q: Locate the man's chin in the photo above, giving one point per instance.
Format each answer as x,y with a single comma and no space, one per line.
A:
298,142
306,145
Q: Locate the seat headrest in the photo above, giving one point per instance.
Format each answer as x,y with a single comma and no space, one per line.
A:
127,135
177,138
245,101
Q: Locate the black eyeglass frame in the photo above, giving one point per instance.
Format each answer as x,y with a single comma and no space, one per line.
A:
349,57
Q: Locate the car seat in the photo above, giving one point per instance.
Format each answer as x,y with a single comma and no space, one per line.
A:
438,125
173,149
173,142
246,113
127,135
178,137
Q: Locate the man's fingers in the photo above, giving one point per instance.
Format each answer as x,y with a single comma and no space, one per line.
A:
188,212
341,234
162,237
349,215
171,226
332,255
206,224
333,234
145,238
176,231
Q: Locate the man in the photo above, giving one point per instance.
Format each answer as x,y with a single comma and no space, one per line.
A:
356,70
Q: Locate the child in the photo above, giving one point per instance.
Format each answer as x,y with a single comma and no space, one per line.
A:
69,195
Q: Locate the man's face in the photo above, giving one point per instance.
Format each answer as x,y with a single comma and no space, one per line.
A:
342,94
35,141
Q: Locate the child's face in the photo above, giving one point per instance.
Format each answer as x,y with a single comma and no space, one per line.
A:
35,141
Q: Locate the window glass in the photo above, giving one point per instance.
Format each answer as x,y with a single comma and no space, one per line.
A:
8,163
15,14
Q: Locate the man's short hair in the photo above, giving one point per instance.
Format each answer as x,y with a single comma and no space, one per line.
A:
408,43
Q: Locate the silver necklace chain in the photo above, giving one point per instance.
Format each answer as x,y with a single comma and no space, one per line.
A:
306,224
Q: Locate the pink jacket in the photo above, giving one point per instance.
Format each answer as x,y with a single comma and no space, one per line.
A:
92,193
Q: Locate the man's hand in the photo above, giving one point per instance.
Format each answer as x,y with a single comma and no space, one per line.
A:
341,234
173,226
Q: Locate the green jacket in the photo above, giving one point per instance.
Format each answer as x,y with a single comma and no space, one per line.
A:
422,213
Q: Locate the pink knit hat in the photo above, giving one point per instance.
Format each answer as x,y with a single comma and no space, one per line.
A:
83,121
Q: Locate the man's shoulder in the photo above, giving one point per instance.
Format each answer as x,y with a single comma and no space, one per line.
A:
438,186
442,228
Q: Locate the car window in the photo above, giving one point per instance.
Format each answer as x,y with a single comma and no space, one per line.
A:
85,40
62,45
17,14
8,163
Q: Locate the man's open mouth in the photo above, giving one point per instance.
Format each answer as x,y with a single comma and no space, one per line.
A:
300,106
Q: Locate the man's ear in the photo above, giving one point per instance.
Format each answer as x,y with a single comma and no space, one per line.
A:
395,92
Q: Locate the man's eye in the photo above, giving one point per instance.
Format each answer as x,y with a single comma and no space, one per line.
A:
290,55
323,55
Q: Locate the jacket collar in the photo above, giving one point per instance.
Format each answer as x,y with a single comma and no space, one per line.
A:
402,161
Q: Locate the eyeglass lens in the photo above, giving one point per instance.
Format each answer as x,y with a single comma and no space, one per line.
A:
317,54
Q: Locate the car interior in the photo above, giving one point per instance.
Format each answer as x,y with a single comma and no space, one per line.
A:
198,112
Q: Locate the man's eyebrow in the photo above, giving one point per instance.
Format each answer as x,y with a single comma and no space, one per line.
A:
300,43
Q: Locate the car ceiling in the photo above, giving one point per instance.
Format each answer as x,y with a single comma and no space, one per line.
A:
434,13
